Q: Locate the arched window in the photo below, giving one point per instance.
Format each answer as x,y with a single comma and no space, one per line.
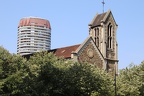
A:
110,31
97,41
97,36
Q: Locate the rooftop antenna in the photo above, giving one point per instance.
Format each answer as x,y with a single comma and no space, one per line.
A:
103,5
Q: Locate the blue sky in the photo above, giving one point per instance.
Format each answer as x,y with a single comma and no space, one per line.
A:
69,21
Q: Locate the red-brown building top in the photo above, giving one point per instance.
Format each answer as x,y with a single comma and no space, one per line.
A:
33,21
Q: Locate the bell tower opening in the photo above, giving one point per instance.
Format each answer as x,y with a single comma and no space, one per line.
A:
109,38
96,37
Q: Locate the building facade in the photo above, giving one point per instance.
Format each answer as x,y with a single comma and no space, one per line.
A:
103,30
34,35
100,48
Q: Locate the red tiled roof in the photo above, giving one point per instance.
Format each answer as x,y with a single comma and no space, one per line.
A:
65,52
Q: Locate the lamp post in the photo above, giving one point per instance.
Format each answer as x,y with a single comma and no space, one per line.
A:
115,74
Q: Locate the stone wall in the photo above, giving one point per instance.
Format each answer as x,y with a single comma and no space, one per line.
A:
90,55
111,68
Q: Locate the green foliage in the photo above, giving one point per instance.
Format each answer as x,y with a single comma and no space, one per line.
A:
131,82
58,77
85,79
44,74
12,69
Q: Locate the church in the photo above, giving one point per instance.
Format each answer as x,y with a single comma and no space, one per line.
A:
100,48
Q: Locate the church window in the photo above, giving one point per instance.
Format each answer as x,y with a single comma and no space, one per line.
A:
97,36
110,31
97,41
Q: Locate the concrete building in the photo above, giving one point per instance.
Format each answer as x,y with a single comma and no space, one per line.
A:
34,35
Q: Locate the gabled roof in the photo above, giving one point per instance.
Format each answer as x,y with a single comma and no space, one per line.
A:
82,47
99,18
65,52
88,39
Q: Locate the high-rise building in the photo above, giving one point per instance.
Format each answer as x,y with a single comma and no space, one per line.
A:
34,35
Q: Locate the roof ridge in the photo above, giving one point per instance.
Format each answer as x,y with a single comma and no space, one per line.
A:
66,46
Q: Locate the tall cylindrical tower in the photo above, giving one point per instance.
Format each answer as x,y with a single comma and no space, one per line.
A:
34,35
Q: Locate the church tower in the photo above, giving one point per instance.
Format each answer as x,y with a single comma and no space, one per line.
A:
103,31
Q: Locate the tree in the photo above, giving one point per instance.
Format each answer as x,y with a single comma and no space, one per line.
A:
12,70
44,74
58,77
130,81
87,80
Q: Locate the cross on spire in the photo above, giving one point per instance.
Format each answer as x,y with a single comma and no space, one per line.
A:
103,5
